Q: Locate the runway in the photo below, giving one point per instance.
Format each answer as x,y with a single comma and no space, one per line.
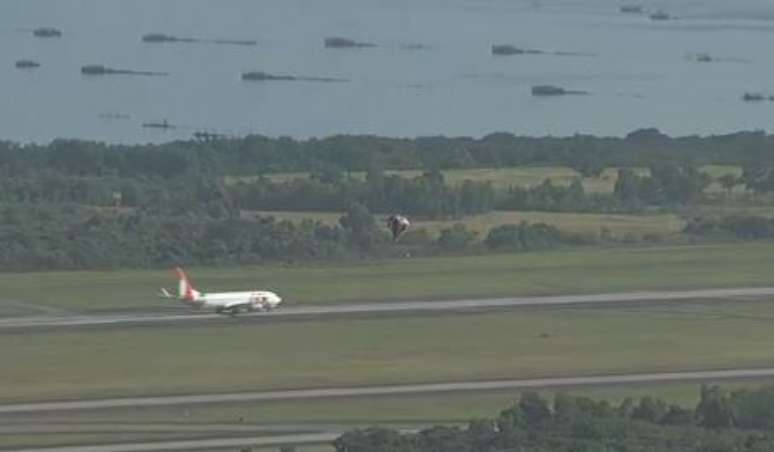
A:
390,307
195,444
407,389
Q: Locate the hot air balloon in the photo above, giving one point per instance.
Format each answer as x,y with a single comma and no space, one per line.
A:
397,225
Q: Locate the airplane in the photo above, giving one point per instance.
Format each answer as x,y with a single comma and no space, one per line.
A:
221,302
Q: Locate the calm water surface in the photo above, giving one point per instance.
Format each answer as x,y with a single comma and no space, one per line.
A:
640,73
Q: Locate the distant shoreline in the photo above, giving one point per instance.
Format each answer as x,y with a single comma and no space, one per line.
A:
652,133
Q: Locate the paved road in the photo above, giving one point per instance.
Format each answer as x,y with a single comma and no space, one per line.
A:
320,393
392,307
197,444
14,427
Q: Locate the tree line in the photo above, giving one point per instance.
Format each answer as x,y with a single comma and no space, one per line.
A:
427,195
739,421
257,154
78,204
68,236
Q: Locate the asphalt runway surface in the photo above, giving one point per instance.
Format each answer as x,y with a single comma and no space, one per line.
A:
194,444
386,390
299,312
9,428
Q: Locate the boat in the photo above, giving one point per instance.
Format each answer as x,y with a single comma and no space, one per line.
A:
47,32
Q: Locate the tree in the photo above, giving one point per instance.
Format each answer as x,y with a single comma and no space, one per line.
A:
649,409
729,181
457,237
535,408
627,186
677,415
361,225
676,183
713,410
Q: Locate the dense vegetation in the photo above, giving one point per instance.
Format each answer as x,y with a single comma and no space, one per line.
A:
740,421
78,204
73,237
259,155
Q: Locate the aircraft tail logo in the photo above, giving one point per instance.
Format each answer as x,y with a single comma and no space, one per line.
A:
185,290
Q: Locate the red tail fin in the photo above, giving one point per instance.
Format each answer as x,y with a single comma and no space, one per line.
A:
185,289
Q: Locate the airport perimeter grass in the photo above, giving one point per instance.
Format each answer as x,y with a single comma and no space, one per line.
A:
423,408
580,270
408,349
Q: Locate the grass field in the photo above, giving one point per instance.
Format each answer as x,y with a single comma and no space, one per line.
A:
516,344
765,209
619,225
523,176
584,270
428,408
501,178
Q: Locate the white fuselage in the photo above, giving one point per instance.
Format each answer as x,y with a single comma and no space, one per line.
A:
228,301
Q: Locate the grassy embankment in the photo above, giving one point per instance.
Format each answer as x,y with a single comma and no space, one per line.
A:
565,271
515,344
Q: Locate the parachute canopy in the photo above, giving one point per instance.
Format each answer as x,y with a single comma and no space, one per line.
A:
397,225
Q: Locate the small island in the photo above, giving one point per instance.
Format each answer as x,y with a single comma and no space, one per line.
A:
111,115
704,58
26,64
342,43
660,15
157,38
98,69
550,90
260,76
507,49
237,42
161,37
632,9
753,97
47,32
414,46
158,125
